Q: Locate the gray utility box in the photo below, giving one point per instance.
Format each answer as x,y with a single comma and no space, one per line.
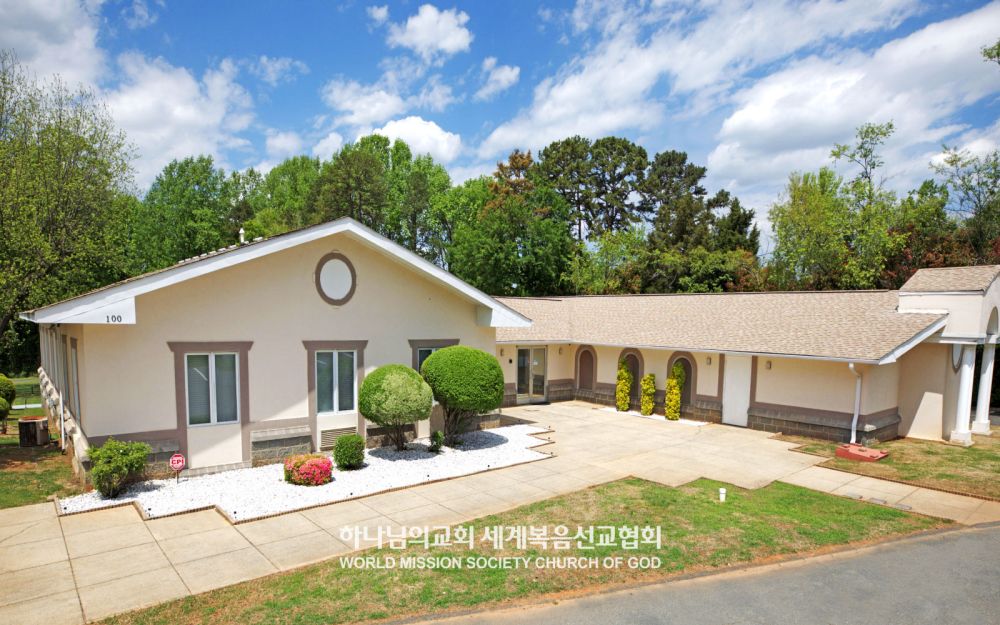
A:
33,432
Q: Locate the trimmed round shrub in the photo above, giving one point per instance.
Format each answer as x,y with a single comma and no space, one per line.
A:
308,469
395,396
349,452
675,383
7,389
466,382
647,390
4,412
115,464
623,387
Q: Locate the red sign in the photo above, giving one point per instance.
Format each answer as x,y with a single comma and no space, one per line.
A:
177,462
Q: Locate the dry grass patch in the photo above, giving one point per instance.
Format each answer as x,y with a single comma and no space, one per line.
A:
970,470
698,533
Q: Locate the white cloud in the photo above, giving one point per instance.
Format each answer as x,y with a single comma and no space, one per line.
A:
328,145
378,14
138,14
424,137
433,34
169,113
54,37
277,70
434,96
702,50
790,119
499,78
360,105
281,144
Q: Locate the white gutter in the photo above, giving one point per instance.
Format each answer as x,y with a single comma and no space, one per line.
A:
857,402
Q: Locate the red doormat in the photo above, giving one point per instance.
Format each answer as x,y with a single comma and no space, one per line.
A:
860,452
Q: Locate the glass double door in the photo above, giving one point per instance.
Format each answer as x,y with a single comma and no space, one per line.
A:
530,374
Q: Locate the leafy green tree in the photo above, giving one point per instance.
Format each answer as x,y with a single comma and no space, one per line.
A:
282,201
353,184
614,265
933,238
735,229
186,212
520,242
618,168
673,188
874,211
64,167
809,227
459,205
974,182
425,182
567,168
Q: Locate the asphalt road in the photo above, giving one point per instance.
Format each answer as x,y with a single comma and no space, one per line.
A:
949,578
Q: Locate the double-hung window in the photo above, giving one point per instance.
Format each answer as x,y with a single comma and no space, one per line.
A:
336,382
423,353
212,391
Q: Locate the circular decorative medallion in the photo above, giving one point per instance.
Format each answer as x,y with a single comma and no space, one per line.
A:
335,279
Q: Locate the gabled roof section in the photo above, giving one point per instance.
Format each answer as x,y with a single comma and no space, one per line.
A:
976,279
119,297
858,326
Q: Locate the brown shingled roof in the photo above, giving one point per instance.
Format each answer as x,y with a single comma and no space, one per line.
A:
951,279
848,325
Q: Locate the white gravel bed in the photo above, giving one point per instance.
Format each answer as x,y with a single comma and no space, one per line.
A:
252,493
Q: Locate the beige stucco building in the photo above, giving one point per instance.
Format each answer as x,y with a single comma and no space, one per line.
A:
252,352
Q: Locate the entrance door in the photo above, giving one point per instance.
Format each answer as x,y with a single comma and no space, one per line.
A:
530,375
736,390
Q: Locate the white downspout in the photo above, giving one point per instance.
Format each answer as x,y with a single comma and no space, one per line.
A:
62,424
857,402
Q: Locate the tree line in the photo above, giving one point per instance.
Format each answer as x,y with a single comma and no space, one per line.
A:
581,216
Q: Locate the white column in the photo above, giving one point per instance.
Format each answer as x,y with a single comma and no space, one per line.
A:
961,433
982,423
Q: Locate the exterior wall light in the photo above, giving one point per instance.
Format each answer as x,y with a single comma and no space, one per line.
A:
708,360
767,365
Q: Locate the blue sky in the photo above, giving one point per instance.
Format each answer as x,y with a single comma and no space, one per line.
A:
754,90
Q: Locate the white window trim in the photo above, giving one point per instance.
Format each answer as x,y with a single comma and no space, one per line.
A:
335,386
212,408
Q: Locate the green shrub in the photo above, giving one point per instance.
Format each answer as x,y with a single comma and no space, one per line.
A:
115,463
7,389
647,388
466,382
437,440
675,383
349,452
395,396
623,387
4,412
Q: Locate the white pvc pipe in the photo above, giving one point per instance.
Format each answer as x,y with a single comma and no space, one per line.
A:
857,402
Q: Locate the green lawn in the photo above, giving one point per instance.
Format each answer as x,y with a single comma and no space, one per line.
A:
971,470
32,474
698,533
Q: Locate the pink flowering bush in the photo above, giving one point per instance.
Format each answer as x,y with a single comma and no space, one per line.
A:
308,469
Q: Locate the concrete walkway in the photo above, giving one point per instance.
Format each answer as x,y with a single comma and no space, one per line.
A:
84,567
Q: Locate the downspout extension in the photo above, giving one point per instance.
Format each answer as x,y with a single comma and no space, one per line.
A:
857,402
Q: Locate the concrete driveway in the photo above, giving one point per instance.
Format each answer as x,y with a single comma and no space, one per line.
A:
945,578
84,567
